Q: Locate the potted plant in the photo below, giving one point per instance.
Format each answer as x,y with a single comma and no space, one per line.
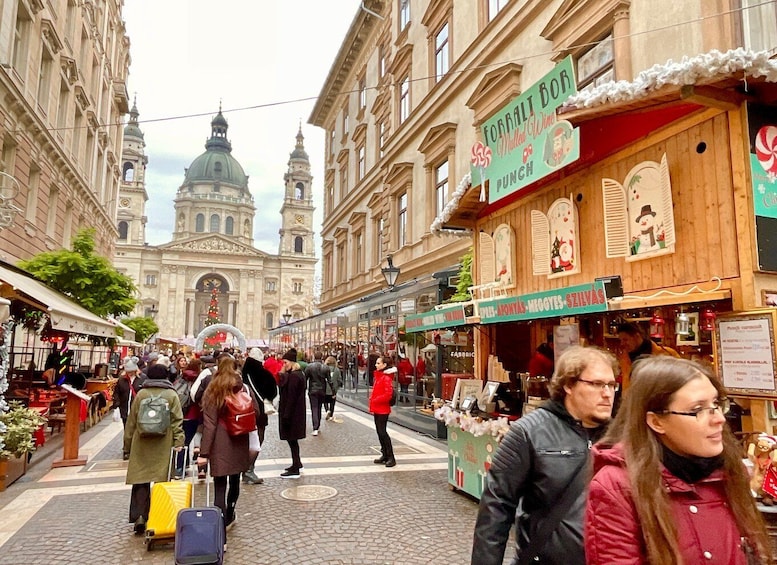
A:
17,428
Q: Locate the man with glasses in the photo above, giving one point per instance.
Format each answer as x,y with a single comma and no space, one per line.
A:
538,472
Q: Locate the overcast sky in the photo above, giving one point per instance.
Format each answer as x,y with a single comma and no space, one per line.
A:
189,54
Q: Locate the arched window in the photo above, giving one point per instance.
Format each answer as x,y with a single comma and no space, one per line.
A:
217,168
268,321
298,244
123,229
299,191
215,223
128,172
229,226
199,223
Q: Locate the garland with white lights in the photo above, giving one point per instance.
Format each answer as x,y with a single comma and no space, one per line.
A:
475,425
4,360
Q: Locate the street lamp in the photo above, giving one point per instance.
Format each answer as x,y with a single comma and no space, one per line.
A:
153,311
286,316
390,273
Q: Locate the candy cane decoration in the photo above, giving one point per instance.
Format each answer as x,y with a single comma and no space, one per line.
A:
766,149
480,157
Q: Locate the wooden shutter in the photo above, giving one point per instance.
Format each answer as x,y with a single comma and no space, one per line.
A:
486,259
540,243
667,204
616,229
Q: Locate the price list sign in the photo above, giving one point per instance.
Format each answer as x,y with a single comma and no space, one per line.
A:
746,353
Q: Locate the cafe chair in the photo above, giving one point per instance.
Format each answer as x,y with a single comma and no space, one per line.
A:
56,417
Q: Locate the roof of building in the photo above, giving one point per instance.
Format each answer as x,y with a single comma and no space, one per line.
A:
217,163
132,129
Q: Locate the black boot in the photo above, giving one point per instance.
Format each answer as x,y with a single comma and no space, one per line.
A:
381,460
391,462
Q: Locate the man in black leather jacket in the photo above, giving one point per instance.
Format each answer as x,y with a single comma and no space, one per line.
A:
537,460
317,375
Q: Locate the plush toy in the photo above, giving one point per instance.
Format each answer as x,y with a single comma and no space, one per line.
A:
763,454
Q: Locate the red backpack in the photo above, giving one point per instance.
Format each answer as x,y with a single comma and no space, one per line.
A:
239,414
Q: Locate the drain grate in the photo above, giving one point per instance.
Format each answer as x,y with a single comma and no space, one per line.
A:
398,449
309,493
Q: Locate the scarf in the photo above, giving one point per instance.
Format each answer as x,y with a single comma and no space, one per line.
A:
690,469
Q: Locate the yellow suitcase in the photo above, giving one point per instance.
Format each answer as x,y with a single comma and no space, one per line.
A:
167,499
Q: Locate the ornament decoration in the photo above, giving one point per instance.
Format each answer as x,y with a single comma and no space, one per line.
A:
766,149
473,424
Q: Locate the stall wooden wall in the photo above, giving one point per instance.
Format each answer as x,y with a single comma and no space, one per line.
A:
703,193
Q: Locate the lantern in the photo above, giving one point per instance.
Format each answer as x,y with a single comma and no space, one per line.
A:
707,322
682,324
657,325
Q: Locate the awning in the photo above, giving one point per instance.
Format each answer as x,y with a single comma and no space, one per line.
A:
129,333
65,314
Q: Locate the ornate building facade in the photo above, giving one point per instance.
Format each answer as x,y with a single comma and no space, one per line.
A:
212,251
63,71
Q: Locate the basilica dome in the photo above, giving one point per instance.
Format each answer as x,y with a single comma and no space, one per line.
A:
217,163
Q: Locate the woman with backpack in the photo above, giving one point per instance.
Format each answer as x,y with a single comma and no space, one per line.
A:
380,407
154,427
191,411
227,453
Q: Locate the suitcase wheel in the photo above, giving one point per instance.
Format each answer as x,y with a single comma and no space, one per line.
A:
149,545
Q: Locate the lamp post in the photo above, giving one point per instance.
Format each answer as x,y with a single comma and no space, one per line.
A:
390,273
286,316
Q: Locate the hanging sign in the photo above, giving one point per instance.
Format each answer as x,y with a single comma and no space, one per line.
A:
569,301
448,317
525,141
746,350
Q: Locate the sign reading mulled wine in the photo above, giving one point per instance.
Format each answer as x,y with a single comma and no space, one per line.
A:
447,317
525,141
569,301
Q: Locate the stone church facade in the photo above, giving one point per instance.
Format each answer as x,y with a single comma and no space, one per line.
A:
212,243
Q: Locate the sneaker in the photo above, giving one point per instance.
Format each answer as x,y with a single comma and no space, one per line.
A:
291,468
315,432
290,474
250,478
328,417
391,462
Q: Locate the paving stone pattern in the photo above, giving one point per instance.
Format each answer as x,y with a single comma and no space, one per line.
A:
392,517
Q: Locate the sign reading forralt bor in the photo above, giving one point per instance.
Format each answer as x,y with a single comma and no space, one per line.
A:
569,301
448,317
526,139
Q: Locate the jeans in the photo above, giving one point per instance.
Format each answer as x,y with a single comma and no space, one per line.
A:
316,402
386,449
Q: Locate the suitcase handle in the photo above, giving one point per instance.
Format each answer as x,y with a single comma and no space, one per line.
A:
173,454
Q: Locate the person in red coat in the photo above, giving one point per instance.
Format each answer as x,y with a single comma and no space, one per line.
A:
380,407
405,371
669,485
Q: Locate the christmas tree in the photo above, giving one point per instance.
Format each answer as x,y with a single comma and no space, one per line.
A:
213,318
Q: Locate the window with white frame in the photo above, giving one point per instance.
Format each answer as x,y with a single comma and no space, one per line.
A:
62,105
21,39
150,279
441,186
441,52
379,240
345,120
31,209
51,218
381,138
494,7
382,60
359,250
361,168
759,22
44,79
270,285
362,92
343,182
402,220
332,142
404,14
330,198
404,98
341,266
597,65
296,287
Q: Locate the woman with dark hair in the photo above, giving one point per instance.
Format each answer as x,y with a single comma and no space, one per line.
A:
669,484
264,387
380,407
292,423
228,454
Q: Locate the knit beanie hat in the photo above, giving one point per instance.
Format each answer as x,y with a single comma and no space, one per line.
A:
290,355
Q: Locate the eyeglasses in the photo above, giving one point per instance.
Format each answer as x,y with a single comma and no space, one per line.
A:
723,405
600,386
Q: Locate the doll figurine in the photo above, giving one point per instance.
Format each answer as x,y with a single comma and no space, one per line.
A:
763,455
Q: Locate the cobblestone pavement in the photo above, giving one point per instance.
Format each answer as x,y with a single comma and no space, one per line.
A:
402,515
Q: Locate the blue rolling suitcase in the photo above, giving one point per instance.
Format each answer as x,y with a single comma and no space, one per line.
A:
199,534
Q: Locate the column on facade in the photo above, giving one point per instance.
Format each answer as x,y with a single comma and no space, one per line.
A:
242,318
166,310
621,44
180,301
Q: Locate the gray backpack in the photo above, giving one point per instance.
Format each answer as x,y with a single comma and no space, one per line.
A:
153,416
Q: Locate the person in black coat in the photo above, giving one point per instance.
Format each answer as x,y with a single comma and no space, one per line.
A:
291,410
127,386
263,385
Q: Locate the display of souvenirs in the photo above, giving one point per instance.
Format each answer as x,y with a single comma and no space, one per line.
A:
762,453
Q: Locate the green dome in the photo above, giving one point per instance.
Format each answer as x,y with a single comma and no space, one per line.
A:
132,129
217,163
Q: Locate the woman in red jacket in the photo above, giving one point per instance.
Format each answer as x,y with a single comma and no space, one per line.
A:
669,485
380,407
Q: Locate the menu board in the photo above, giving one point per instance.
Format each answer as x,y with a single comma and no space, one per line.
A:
746,353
